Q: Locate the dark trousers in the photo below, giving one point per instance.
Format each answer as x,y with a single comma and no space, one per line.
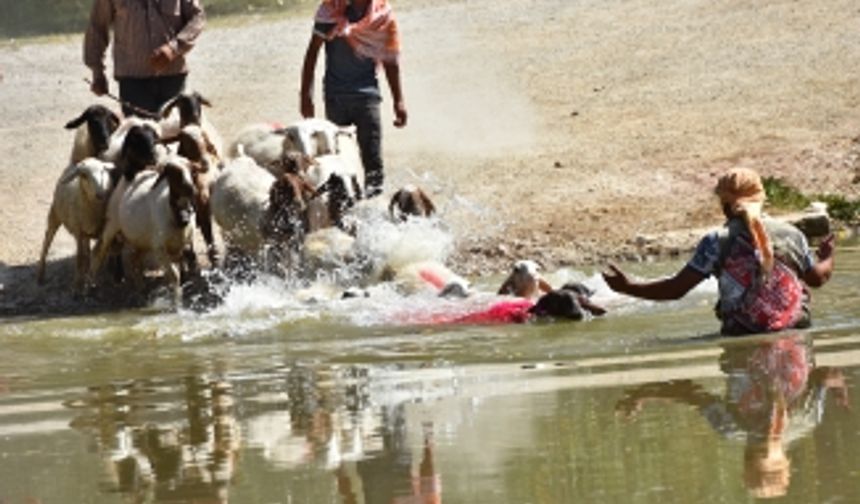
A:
149,93
363,112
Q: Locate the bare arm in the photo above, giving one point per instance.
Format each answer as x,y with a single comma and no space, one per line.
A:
392,75
821,271
664,289
306,93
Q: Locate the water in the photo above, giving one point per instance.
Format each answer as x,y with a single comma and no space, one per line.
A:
294,395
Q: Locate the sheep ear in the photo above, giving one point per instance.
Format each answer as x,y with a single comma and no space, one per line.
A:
393,204
72,175
202,99
168,107
506,287
74,123
431,208
114,121
161,176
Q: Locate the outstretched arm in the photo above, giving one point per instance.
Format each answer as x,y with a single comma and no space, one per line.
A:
664,289
306,93
392,75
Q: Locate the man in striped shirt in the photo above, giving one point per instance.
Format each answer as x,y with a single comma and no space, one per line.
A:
150,41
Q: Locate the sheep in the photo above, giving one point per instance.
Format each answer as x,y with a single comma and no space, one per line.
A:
525,281
313,136
190,108
80,198
154,217
268,143
410,200
264,143
336,192
144,145
254,208
93,130
194,145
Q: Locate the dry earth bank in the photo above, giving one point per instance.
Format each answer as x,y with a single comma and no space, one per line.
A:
554,129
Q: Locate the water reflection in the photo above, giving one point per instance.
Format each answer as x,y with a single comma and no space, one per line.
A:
153,451
774,395
180,440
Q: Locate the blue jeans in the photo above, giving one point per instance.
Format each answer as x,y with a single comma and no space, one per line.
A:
149,93
363,112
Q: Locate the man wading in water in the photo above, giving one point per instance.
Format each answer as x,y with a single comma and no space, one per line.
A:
358,35
763,266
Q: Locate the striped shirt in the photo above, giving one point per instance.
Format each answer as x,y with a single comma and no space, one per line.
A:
140,27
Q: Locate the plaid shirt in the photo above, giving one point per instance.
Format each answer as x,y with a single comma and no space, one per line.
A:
140,27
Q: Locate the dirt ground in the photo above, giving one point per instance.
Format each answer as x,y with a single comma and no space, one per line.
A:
565,131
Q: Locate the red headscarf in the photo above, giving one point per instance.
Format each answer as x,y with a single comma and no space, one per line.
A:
374,36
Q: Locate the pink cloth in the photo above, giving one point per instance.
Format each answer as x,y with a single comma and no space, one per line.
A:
508,311
374,36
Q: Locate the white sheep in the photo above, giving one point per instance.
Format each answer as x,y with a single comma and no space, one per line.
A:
264,143
254,208
80,199
93,129
153,214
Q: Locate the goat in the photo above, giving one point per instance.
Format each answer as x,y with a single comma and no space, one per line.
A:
410,200
254,208
93,130
154,217
80,199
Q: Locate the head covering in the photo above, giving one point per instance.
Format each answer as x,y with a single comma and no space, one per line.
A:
374,36
742,190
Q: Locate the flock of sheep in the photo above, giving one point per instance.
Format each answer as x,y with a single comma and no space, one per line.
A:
139,187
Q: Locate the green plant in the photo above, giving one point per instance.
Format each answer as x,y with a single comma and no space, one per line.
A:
781,195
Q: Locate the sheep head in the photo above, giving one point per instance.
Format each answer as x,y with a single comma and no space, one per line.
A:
95,178
524,280
410,200
101,123
177,172
286,215
139,149
190,107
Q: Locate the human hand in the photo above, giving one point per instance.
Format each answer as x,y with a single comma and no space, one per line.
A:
306,106
616,279
826,247
162,57
99,85
400,115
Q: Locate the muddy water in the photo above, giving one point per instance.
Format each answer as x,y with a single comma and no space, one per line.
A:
277,396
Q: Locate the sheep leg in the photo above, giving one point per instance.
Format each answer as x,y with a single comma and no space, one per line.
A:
82,262
171,273
204,222
50,231
103,247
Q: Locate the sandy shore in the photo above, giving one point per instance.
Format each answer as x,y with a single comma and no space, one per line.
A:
554,129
